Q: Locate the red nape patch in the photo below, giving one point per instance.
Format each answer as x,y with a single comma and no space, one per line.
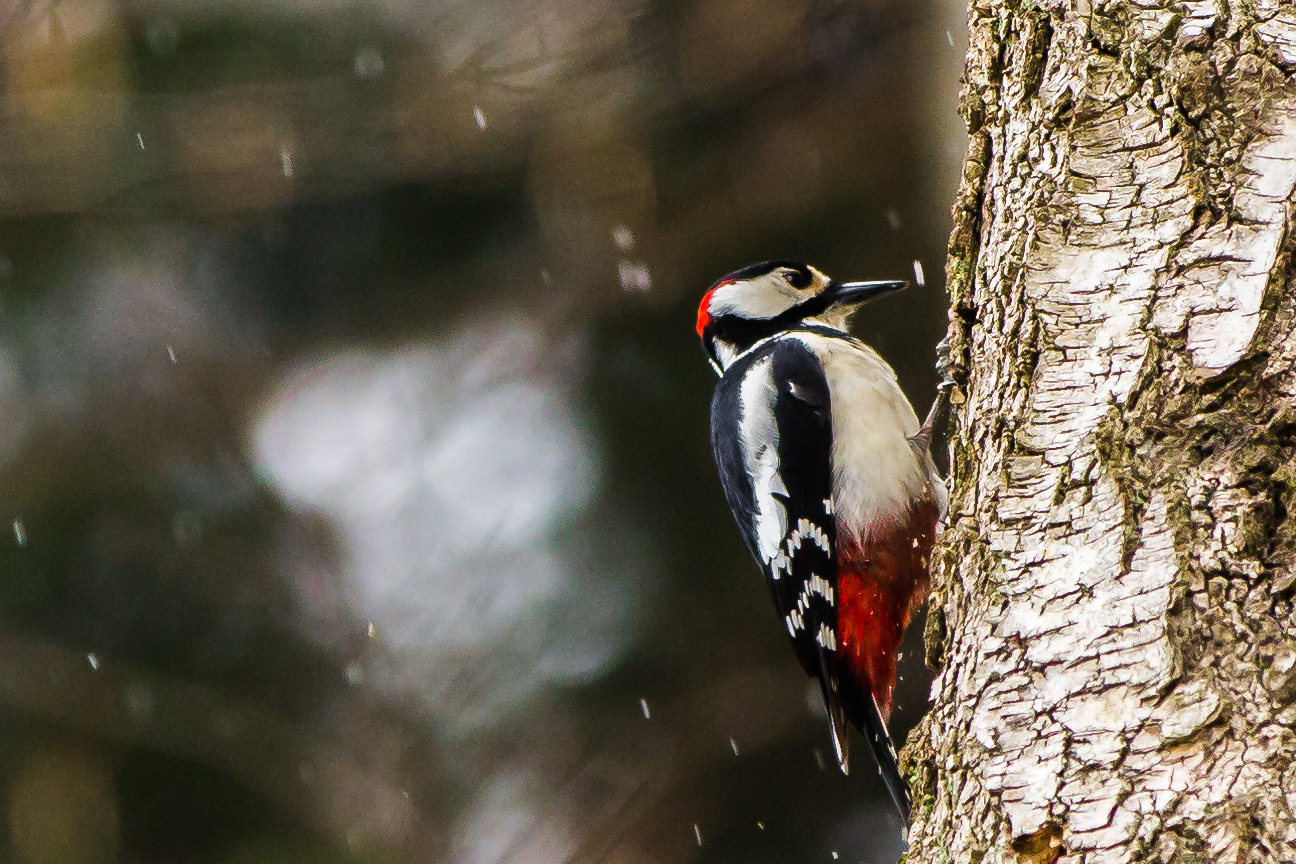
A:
704,308
881,579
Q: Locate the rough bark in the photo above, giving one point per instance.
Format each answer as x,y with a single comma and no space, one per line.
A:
1113,616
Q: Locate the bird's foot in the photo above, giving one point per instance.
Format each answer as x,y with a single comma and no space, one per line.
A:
939,407
943,363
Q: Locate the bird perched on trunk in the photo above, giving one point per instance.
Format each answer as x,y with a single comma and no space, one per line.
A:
831,479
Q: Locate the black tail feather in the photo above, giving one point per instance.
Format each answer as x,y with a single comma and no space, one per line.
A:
836,718
845,701
879,742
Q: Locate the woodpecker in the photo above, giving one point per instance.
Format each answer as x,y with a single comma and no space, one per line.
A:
830,478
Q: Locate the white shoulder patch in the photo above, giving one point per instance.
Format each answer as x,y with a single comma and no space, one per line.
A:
758,433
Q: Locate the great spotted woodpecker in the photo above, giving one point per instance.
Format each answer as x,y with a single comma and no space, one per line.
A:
831,479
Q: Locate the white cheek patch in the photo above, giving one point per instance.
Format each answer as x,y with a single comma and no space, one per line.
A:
766,297
759,439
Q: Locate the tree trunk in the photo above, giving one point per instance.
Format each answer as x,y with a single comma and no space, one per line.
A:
1113,615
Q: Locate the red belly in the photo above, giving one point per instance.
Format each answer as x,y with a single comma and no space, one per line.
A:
881,579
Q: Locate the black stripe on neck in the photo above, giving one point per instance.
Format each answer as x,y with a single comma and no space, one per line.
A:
742,333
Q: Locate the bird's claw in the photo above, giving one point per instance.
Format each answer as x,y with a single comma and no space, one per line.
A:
943,363
943,390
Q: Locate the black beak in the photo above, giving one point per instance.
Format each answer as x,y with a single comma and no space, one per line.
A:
855,293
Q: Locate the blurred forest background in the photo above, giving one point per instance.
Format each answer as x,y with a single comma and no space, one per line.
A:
353,426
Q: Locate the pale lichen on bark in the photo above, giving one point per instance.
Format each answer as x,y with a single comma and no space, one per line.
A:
1113,612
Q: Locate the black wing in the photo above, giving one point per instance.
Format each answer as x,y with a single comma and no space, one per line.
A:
771,430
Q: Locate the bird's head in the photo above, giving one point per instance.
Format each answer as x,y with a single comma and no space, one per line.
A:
767,298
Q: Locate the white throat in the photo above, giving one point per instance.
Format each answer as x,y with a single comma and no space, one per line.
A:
728,354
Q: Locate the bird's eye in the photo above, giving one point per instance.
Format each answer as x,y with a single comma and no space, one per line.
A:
796,279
